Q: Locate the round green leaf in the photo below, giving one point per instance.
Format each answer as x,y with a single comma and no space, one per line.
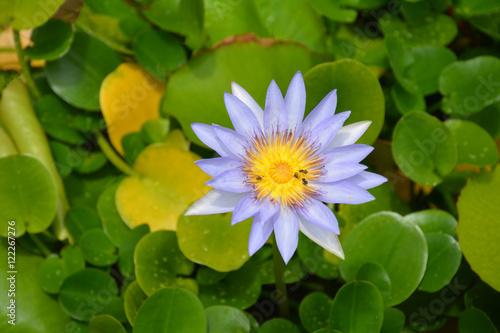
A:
475,145
27,14
485,298
423,148
225,319
399,247
171,310
376,274
206,276
105,324
133,300
79,220
155,130
489,119
394,321
357,307
443,262
433,221
77,76
212,241
126,251
475,320
52,40
133,144
159,53
92,161
87,293
476,7
471,85
406,101
52,272
158,261
278,325
72,259
478,227
97,249
314,311
349,77
313,257
27,194
206,77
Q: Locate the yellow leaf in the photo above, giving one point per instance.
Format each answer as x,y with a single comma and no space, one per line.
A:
169,183
129,97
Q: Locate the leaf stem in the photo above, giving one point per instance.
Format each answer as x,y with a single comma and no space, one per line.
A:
279,281
24,67
113,157
46,252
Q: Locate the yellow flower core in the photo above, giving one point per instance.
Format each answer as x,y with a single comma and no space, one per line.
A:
280,166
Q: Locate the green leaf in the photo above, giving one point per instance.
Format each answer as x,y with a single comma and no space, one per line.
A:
158,261
199,80
350,78
489,119
80,219
433,221
159,53
357,307
133,300
481,296
478,210
27,14
476,7
206,276
105,324
292,273
475,145
126,251
133,144
27,194
314,311
225,319
423,148
278,325
72,259
471,85
212,241
406,101
51,274
394,321
394,239
97,249
91,162
376,274
489,24
155,130
171,310
52,40
77,76
313,257
475,320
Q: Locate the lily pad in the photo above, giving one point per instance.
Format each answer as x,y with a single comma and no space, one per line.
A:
27,14
97,249
225,319
394,321
377,275
52,40
433,221
314,311
105,324
133,300
278,325
80,219
475,320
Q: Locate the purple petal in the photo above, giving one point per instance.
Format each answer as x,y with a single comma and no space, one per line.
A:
286,230
246,98
350,153
349,134
268,209
233,180
367,179
246,208
295,101
206,134
216,166
232,140
324,110
214,202
243,119
341,192
333,172
259,234
275,115
326,239
326,130
318,213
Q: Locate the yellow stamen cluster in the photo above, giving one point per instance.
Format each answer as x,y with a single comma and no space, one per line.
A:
280,166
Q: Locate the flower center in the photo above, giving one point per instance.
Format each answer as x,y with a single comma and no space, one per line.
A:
281,172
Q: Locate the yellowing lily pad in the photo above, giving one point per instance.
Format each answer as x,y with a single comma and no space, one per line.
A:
129,97
168,182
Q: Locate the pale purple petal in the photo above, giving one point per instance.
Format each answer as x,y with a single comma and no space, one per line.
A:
268,209
326,130
326,239
243,119
341,192
215,202
246,98
333,172
349,134
324,110
367,179
246,208
216,166
206,134
233,180
318,213
351,153
275,115
295,101
286,230
259,234
235,142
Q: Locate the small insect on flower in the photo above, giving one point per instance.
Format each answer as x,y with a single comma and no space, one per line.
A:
281,170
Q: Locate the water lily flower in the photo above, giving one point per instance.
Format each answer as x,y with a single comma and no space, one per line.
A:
281,169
